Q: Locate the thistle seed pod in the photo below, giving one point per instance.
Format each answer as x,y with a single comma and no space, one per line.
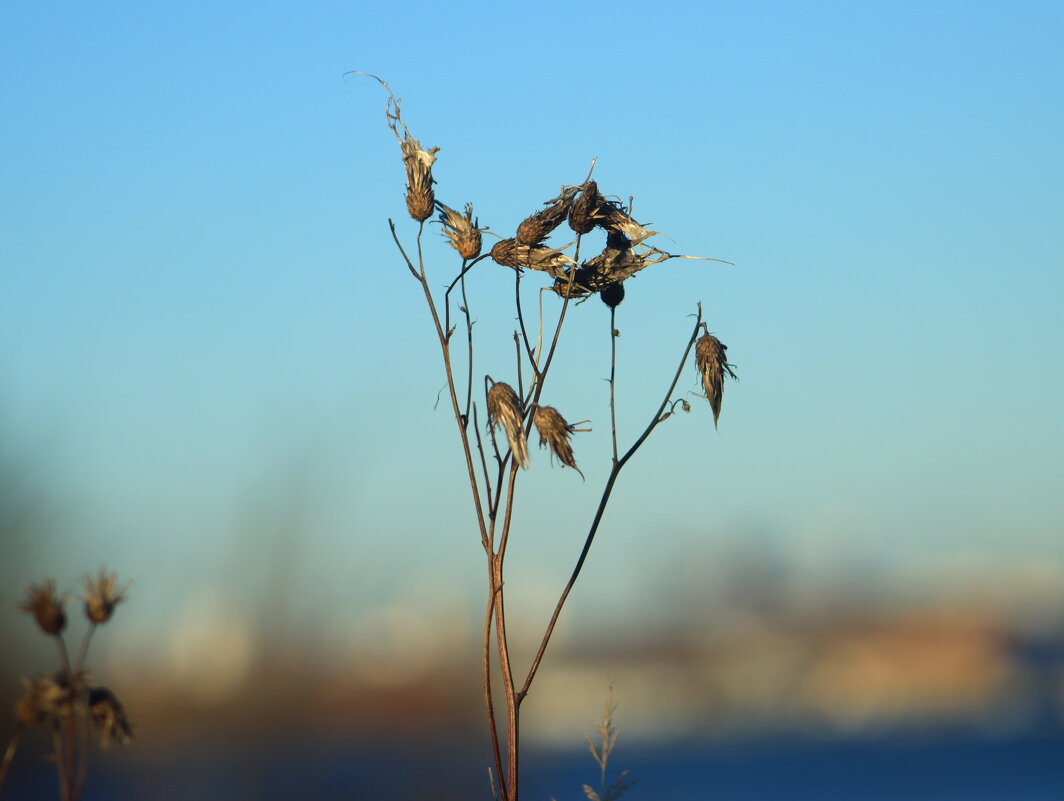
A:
46,607
617,219
555,433
504,408
711,359
41,699
101,596
533,230
461,230
511,253
586,211
612,295
109,717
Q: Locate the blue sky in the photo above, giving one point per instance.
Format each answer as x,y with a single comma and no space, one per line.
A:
206,332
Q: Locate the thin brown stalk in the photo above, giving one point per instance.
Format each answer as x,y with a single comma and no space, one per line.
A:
60,762
445,347
613,379
9,753
492,725
606,492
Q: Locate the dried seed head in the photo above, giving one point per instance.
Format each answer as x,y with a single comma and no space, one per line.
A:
45,606
533,230
504,408
420,200
461,230
511,253
555,433
109,717
711,359
587,210
41,699
102,596
617,219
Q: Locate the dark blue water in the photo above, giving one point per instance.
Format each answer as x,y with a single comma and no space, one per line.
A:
967,767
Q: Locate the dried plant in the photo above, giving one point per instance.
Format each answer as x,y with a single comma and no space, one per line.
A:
64,698
492,468
608,734
711,359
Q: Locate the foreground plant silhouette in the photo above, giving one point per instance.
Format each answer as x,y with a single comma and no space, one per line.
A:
493,464
64,700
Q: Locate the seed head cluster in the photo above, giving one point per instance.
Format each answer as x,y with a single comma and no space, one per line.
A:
461,229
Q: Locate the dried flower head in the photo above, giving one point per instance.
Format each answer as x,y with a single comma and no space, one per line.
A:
462,230
102,596
617,219
555,433
45,606
109,717
41,699
504,408
711,359
612,295
511,253
587,210
420,199
533,230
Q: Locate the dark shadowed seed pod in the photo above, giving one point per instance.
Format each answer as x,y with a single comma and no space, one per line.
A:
613,295
566,289
586,211
555,433
504,409
711,359
46,607
462,230
109,717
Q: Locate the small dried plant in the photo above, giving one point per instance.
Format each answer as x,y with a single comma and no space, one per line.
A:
65,700
493,463
608,734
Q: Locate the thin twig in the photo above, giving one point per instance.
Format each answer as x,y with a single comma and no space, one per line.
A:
602,508
9,752
613,379
492,726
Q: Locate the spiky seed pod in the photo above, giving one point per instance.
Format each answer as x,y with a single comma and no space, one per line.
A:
46,606
612,295
586,211
511,253
102,596
533,230
504,409
109,717
711,359
463,232
555,433
420,199
617,219
566,289
41,698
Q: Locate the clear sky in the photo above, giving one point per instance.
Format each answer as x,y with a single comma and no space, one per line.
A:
207,338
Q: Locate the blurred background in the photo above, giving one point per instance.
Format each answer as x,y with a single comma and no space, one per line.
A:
218,379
